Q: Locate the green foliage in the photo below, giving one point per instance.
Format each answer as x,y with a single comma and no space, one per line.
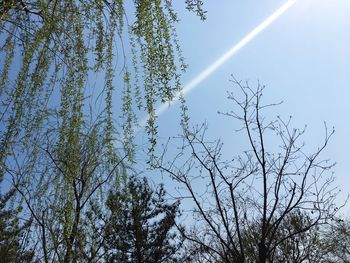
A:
297,240
140,225
59,155
12,233
196,6
81,168
336,241
62,44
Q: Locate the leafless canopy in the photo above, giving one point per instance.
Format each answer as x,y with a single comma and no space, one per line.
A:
241,206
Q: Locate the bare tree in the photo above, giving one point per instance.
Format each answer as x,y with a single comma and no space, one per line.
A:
242,206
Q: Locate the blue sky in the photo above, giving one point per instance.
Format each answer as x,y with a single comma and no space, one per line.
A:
303,59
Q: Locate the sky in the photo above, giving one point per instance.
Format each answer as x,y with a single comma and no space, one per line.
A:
302,58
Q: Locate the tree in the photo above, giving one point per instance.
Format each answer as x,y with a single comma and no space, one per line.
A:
56,47
12,233
69,177
242,207
140,225
57,147
336,241
305,246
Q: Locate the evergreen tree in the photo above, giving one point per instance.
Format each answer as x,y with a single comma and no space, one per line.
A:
140,225
11,232
336,241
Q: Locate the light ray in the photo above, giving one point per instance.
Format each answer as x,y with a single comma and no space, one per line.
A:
221,60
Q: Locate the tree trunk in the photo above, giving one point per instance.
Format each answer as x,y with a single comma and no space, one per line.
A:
262,252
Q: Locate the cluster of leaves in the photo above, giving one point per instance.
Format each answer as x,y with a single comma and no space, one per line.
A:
55,47
58,160
13,234
136,225
259,207
58,151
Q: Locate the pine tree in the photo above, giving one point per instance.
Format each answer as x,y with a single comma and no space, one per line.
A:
140,225
11,232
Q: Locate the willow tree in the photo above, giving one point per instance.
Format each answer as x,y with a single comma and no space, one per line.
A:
56,152
55,47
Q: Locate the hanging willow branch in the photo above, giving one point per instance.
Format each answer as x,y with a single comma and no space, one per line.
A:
71,41
51,147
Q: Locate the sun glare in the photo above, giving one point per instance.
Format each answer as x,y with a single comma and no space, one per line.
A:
225,57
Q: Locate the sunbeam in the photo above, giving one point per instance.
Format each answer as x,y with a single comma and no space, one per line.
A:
222,59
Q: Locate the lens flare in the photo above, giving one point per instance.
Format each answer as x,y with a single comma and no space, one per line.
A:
222,59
